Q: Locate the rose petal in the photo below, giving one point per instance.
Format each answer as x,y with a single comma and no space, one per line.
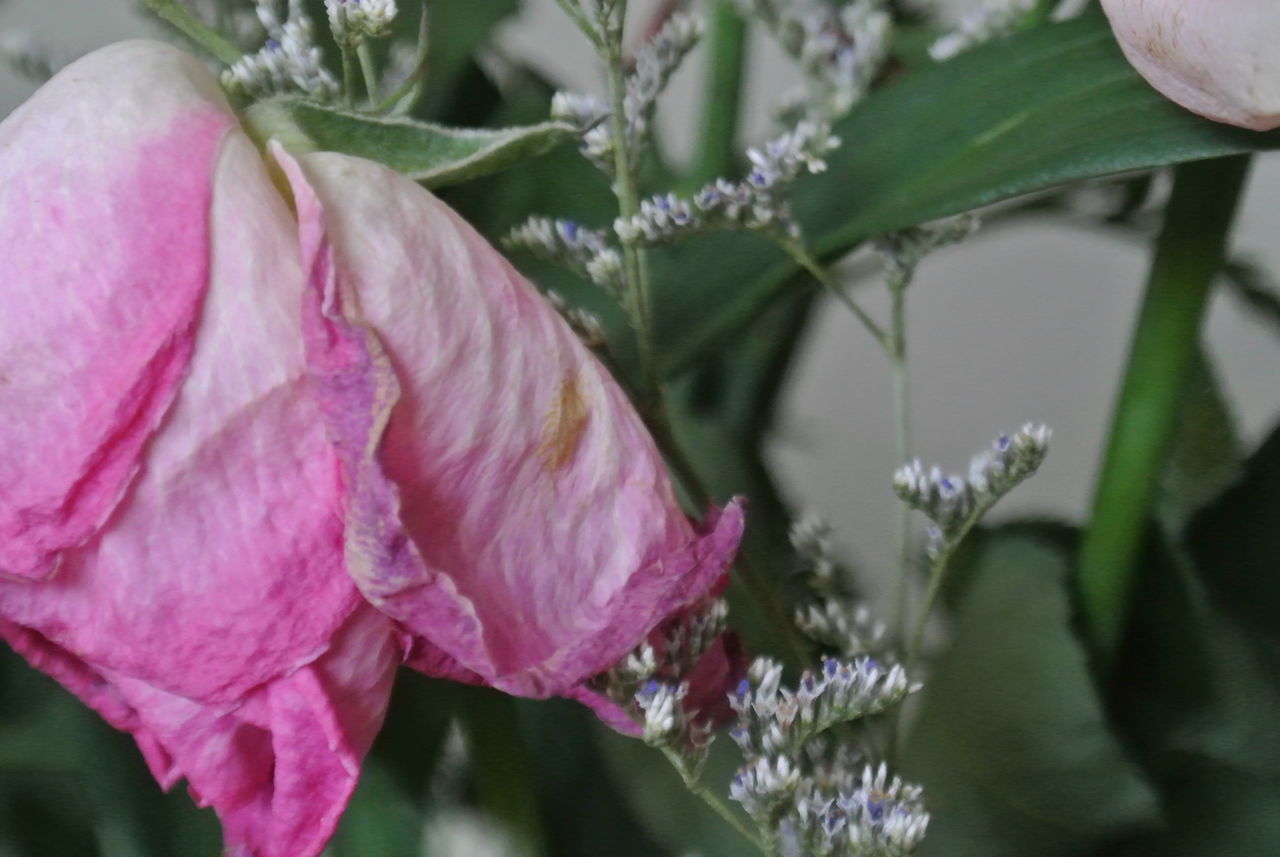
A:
280,765
506,501
1215,59
104,235
223,568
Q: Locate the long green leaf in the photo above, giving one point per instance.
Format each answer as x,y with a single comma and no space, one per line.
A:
1055,104
430,154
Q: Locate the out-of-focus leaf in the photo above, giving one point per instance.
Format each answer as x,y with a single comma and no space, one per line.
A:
67,778
432,155
585,809
1256,287
385,817
1206,453
1197,696
1012,743
682,822
500,767
1236,543
1051,105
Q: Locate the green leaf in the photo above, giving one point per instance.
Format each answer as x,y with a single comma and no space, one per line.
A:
1255,285
1206,453
1012,745
585,808
1236,543
500,766
430,154
672,814
1055,104
1197,696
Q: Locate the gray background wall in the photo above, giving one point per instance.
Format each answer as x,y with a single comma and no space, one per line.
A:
1020,323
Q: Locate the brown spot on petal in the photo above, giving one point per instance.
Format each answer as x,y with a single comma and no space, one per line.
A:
564,426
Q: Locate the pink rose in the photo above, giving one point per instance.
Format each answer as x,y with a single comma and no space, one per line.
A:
261,441
1217,58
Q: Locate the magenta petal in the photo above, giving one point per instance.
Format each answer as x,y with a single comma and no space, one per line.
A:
104,237
506,502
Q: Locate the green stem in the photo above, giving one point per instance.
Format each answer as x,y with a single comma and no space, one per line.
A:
802,258
636,297
408,93
579,17
721,107
368,70
902,447
714,801
348,75
194,29
937,575
1188,254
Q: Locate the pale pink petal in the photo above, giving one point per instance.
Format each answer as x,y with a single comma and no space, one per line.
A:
211,615
222,568
278,766
506,502
104,195
1215,58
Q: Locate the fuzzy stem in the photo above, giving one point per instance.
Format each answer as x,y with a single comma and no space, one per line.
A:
1188,254
636,295
579,17
714,801
408,93
902,448
937,575
194,29
348,75
802,258
368,70
723,96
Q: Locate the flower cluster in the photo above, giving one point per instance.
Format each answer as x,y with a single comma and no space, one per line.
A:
833,620
290,61
990,20
875,817
811,795
582,111
759,202
582,250
774,720
654,684
840,49
353,21
953,502
655,62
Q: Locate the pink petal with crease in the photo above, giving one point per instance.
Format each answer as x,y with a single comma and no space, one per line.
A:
280,765
1215,58
211,614
104,234
506,502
